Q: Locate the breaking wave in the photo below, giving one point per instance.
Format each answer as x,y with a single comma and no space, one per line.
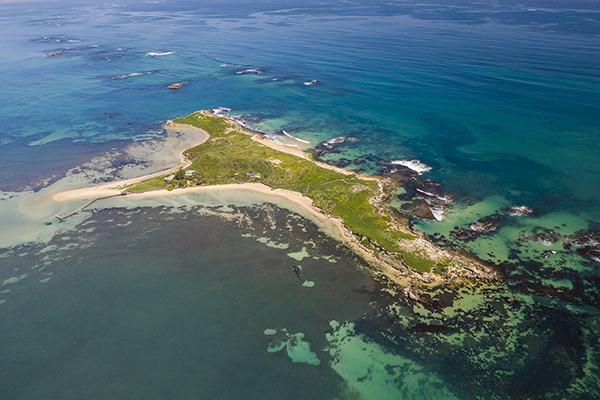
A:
294,137
415,165
159,53
132,75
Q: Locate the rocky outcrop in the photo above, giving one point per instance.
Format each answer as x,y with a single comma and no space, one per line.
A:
519,211
329,146
487,224
419,208
546,237
587,243
464,234
176,86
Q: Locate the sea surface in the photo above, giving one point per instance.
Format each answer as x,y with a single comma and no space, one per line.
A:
196,296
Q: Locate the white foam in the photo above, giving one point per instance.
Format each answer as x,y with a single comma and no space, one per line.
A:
519,211
250,71
294,137
221,111
336,140
125,76
433,202
159,53
446,199
439,212
275,139
415,165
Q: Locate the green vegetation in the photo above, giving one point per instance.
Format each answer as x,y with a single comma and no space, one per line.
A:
441,268
418,262
214,125
230,155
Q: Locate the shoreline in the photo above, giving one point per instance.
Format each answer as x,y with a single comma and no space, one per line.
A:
111,188
334,226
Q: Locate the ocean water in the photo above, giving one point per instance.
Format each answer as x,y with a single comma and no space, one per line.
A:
194,296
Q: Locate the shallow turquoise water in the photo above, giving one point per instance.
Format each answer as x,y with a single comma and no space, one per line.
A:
501,101
202,302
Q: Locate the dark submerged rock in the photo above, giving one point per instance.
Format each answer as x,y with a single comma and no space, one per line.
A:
329,146
548,253
587,243
464,234
342,163
590,252
421,327
546,237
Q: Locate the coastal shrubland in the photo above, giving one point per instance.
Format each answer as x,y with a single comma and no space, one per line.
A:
232,155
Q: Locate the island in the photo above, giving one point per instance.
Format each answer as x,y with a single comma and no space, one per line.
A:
232,156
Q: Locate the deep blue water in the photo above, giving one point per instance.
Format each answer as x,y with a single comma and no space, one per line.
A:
502,99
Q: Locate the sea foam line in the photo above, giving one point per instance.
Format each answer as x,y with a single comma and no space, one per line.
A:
294,137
